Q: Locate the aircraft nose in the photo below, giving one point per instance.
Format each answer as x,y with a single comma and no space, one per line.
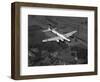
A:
69,41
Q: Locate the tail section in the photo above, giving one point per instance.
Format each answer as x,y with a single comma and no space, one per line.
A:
47,30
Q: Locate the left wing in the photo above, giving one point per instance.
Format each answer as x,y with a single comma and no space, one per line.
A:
52,39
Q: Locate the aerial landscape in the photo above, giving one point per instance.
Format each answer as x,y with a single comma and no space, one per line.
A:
57,40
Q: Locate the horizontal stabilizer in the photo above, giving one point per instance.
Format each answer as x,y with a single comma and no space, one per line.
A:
47,30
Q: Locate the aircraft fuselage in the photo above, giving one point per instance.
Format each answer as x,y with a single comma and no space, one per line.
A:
60,35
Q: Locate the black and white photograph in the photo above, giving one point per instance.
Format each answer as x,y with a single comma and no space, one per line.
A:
57,40
50,40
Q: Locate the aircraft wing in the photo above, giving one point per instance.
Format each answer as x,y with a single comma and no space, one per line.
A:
59,38
51,39
70,34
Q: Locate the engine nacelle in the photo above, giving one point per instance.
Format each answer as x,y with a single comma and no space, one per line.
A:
62,39
57,40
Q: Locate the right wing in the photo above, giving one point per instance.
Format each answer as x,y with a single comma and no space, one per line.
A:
51,39
70,34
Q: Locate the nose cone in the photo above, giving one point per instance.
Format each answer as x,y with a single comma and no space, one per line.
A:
68,40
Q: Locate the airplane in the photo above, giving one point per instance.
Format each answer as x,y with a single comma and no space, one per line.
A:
62,37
